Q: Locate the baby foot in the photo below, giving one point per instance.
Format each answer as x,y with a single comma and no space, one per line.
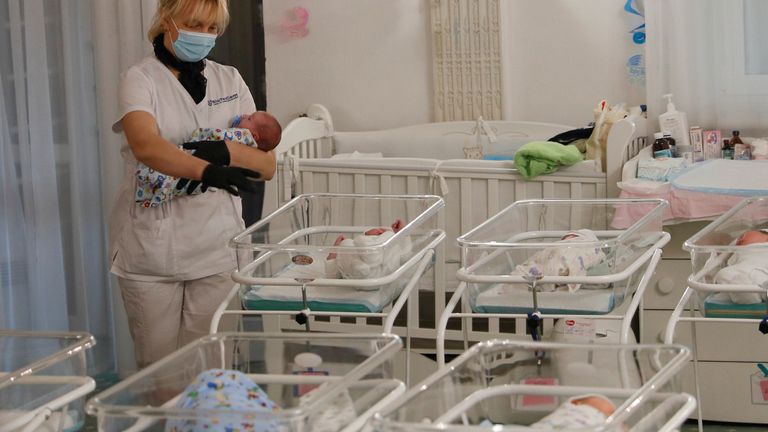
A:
375,231
338,241
397,225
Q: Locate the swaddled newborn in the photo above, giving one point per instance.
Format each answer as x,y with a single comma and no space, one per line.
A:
576,413
747,266
230,390
370,265
564,260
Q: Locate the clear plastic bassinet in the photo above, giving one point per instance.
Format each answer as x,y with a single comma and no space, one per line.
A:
302,374
713,248
626,234
43,372
286,253
508,385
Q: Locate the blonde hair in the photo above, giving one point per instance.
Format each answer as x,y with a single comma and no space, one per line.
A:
199,8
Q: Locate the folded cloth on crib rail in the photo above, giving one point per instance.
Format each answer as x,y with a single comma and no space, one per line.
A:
544,157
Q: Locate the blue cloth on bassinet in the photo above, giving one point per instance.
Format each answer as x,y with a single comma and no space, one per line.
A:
583,302
719,307
726,177
224,390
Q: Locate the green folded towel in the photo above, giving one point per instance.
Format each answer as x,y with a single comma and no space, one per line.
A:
543,157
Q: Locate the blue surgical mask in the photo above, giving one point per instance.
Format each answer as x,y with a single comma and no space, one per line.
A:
192,46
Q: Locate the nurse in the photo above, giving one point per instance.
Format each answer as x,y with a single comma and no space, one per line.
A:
172,262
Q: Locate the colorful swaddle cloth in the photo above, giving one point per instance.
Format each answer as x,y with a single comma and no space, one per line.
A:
154,188
565,260
230,390
218,389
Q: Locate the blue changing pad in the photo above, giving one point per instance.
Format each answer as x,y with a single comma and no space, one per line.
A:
503,300
717,308
252,302
728,177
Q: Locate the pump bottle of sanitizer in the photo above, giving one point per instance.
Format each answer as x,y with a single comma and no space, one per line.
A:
675,123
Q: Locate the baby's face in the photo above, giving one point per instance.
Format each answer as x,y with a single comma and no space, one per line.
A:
751,237
264,128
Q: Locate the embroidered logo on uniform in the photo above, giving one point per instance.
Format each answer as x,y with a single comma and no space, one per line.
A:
230,98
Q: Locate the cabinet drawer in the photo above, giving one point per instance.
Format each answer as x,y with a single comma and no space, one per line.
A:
667,285
716,341
680,233
726,392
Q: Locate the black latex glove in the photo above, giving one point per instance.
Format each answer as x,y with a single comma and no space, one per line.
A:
215,152
231,179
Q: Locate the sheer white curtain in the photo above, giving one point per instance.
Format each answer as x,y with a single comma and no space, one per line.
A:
120,28
709,54
59,66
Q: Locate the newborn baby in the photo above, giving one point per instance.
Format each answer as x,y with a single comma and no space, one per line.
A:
747,266
371,265
259,129
231,390
577,413
219,389
563,261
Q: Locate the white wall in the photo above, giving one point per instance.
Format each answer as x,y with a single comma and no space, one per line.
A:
368,61
562,57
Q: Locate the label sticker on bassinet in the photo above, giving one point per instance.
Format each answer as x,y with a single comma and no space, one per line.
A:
759,389
302,259
582,329
537,402
300,390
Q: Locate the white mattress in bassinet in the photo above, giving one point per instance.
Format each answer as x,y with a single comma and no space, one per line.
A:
505,298
320,298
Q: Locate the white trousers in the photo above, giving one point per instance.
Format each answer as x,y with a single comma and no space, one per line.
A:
164,316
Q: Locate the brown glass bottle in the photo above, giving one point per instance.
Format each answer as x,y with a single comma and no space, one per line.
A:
727,151
741,151
661,146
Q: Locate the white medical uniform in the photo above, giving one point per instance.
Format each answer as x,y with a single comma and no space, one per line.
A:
160,253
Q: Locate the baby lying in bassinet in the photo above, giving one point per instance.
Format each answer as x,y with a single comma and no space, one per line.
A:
576,413
259,129
748,266
369,265
569,260
219,389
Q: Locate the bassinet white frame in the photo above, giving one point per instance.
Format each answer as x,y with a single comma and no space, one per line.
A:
79,386
484,188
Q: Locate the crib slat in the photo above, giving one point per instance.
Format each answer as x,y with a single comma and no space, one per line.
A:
466,205
520,326
385,183
385,188
493,197
576,221
519,190
412,188
307,182
493,326
333,182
